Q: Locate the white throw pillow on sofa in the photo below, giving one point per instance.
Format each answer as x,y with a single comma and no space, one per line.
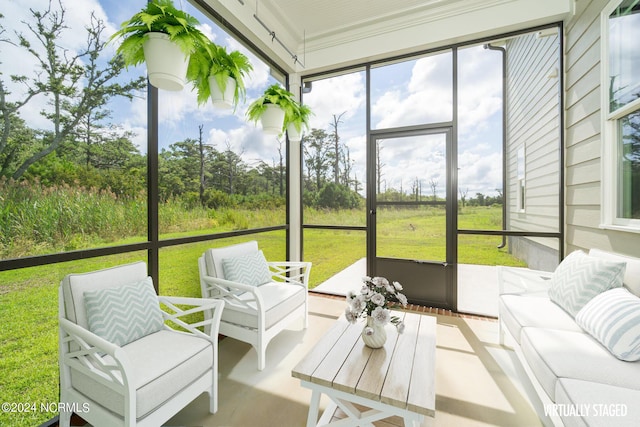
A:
580,277
613,318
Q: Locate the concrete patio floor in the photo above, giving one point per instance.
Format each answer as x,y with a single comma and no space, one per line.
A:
477,286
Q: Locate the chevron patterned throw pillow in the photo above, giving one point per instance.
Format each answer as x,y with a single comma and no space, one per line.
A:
249,269
580,277
125,313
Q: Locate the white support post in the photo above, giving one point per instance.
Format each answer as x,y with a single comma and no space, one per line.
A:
295,178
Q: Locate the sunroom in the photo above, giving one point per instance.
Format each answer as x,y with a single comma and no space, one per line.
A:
448,139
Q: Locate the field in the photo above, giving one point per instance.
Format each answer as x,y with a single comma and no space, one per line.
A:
28,297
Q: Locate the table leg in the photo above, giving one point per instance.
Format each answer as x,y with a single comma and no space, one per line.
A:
314,407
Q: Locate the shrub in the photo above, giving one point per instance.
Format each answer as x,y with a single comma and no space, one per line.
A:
334,196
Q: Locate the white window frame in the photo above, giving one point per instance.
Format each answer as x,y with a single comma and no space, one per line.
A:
521,174
609,179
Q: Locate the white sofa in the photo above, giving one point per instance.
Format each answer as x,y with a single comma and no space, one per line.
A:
579,381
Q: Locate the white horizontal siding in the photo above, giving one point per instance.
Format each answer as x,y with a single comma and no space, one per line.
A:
583,140
533,122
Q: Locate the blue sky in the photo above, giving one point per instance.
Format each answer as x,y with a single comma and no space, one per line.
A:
411,92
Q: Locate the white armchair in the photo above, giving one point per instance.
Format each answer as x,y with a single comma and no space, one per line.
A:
120,363
261,298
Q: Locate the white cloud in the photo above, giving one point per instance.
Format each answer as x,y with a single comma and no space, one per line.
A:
247,139
479,173
425,98
335,95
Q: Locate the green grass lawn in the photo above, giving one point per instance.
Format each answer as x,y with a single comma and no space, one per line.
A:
29,297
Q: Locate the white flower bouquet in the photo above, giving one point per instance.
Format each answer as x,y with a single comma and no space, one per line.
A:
376,297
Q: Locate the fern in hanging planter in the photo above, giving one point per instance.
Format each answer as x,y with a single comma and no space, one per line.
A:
219,75
160,28
281,103
296,119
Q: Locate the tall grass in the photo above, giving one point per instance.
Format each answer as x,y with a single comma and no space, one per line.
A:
37,219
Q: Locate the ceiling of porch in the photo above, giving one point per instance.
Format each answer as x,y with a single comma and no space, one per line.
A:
308,36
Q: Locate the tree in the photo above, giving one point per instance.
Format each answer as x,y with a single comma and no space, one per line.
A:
201,162
233,167
434,188
463,195
379,166
76,86
316,156
336,146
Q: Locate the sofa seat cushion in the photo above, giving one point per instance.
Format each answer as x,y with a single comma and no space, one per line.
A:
519,311
279,299
596,404
164,362
554,353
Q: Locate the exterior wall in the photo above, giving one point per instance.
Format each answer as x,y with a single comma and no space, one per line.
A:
583,137
533,126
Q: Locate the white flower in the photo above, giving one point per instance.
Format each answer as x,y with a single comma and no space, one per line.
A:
350,315
358,304
390,289
402,298
366,279
381,315
400,327
350,296
365,290
397,285
378,299
380,281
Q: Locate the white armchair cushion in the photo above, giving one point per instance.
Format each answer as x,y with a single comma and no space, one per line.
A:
279,300
164,362
580,277
613,318
250,269
125,313
75,285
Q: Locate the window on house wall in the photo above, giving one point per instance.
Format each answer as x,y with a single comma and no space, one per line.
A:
621,21
521,180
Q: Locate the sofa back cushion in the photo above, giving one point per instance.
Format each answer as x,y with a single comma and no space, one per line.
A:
580,277
632,272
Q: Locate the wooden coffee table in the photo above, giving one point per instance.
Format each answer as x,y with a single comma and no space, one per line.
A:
396,380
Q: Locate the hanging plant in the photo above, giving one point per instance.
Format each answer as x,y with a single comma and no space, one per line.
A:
219,75
160,28
296,119
279,102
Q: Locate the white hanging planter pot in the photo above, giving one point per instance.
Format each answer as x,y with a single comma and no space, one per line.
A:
272,119
218,97
166,63
293,133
